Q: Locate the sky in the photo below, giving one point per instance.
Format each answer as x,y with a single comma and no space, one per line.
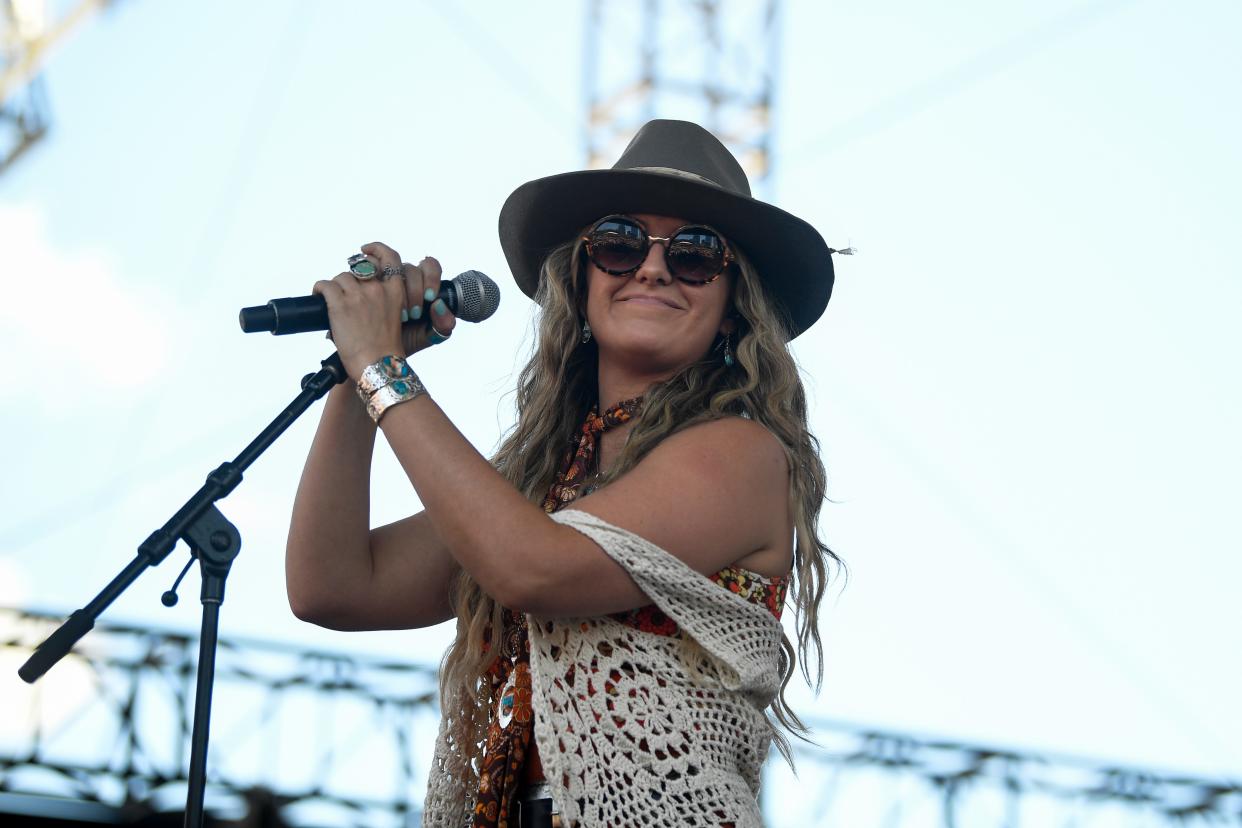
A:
1025,384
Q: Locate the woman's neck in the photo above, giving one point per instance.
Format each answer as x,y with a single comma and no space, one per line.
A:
616,384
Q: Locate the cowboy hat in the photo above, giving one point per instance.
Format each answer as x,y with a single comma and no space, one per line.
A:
673,168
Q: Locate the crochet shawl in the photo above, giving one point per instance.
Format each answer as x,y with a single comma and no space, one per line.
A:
635,728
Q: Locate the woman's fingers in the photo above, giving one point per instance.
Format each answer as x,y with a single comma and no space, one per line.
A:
442,320
414,298
384,255
336,286
387,259
431,265
431,278
388,262
413,291
422,286
428,283
366,312
430,320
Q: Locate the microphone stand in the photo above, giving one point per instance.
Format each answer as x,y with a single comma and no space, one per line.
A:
215,542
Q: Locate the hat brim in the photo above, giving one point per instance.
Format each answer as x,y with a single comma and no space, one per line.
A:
792,258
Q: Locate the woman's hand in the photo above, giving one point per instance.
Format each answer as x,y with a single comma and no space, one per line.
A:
433,316
368,317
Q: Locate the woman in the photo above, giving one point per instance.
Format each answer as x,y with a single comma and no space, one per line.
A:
618,569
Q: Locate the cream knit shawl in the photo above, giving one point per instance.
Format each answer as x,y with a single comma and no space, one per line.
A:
678,740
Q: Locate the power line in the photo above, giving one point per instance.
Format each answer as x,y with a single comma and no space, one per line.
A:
503,62
939,87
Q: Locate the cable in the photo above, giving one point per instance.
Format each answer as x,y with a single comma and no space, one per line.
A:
503,62
923,95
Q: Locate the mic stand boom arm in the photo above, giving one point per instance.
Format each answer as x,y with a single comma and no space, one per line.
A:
215,543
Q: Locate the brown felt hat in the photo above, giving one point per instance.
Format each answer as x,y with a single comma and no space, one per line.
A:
673,168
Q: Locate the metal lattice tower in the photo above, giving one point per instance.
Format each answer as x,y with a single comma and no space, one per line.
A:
710,61
28,31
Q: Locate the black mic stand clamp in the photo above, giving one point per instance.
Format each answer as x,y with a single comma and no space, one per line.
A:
214,542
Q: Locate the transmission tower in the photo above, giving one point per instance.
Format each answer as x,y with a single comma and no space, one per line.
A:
27,34
710,61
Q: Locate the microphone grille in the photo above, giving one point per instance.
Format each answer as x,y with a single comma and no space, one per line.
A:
477,296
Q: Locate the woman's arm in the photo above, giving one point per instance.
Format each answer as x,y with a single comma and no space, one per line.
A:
340,574
712,495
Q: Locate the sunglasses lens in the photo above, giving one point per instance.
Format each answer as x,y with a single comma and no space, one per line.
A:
617,245
696,254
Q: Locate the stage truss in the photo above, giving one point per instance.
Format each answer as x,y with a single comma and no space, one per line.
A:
338,739
709,61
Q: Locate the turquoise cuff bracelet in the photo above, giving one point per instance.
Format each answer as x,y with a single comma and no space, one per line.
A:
381,372
394,393
387,382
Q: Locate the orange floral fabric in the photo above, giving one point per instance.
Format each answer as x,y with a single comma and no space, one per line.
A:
510,731
756,588
569,483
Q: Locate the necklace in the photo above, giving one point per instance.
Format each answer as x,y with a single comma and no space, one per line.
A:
590,484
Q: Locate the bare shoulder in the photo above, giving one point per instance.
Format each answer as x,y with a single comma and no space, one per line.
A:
713,494
734,446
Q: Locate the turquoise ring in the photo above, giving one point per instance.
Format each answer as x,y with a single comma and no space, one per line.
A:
435,337
361,266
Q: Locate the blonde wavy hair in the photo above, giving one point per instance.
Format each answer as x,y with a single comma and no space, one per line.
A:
557,388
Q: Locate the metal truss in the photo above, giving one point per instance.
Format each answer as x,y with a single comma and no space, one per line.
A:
335,739
28,31
708,61
866,777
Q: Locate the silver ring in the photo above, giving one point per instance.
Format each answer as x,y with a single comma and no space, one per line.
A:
391,271
435,337
362,267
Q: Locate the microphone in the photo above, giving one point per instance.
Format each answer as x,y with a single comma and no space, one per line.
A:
471,296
